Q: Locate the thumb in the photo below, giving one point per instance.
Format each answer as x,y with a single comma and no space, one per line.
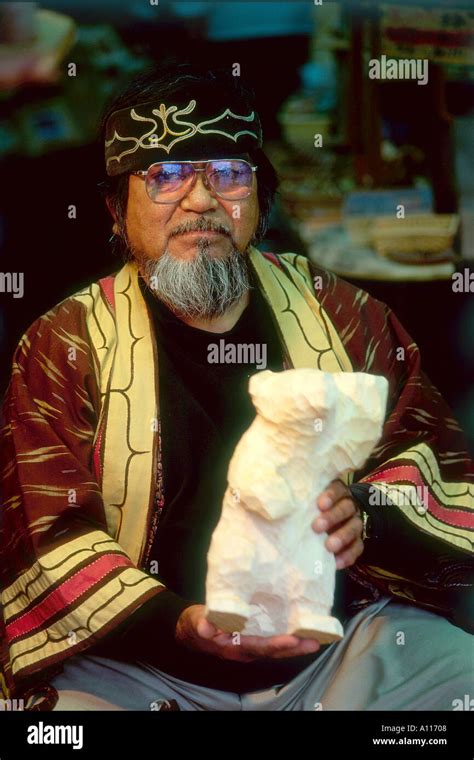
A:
205,629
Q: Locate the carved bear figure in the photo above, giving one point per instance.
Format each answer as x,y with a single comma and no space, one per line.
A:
311,427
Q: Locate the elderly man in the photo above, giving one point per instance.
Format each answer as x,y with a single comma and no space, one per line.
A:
119,431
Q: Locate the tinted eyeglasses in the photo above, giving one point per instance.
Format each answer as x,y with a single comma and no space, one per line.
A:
169,181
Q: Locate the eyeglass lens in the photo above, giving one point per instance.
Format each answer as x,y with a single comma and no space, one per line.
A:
230,179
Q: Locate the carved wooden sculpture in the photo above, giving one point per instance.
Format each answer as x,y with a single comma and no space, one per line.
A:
269,573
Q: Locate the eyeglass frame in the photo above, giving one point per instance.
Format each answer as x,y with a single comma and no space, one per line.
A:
144,172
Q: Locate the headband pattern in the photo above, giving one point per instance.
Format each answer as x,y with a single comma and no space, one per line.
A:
168,128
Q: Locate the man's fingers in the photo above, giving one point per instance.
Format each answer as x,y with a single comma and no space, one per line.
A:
206,629
259,643
305,648
222,639
277,642
277,646
234,652
340,518
196,632
350,555
249,648
345,535
336,490
275,652
268,645
343,510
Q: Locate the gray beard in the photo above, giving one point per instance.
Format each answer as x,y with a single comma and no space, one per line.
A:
205,286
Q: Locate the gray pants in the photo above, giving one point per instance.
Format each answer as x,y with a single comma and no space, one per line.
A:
392,657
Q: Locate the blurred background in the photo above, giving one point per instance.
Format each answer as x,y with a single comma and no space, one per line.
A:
354,154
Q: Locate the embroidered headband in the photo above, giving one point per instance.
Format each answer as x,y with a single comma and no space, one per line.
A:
153,131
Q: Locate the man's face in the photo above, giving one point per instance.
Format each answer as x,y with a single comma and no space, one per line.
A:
153,228
191,253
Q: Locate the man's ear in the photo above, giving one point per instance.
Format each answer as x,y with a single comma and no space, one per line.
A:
255,239
110,206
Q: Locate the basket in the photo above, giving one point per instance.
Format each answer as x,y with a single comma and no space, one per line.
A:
420,235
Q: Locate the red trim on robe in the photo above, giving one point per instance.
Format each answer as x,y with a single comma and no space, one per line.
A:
97,458
455,517
272,257
66,594
107,285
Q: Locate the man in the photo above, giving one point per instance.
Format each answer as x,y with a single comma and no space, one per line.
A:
118,432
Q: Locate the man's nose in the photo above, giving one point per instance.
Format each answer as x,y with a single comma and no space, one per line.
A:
200,197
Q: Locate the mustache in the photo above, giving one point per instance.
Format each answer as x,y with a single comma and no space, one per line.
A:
201,225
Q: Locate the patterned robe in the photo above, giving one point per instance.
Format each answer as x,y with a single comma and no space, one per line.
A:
81,472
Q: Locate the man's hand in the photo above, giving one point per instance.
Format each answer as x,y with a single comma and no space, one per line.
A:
341,519
195,632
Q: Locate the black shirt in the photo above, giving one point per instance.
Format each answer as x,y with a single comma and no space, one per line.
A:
204,408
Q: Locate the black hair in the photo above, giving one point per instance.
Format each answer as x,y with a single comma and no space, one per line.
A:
172,80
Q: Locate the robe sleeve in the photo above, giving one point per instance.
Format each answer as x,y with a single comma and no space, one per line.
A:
419,480
418,485
64,581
